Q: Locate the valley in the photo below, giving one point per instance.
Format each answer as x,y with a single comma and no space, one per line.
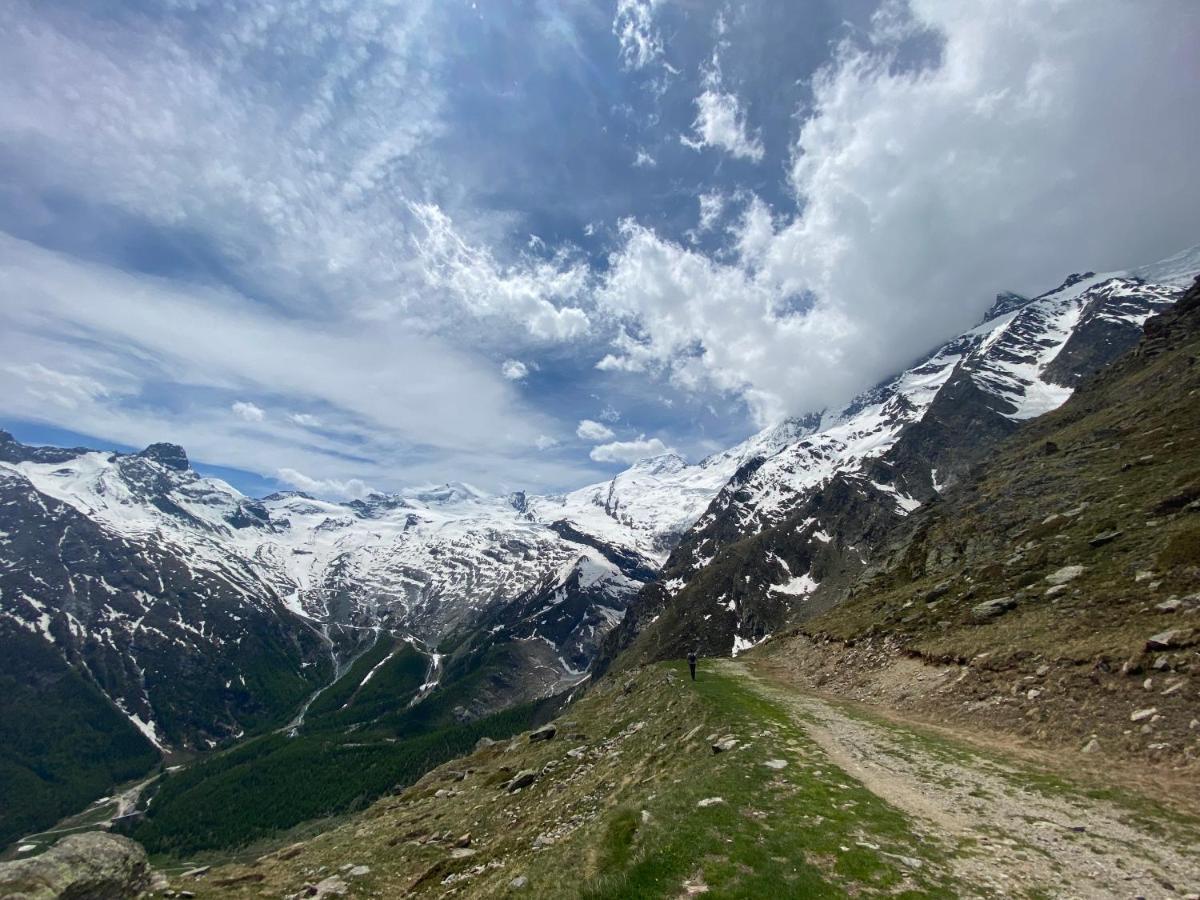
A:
947,638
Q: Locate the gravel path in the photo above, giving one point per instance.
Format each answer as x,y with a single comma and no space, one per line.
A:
1018,831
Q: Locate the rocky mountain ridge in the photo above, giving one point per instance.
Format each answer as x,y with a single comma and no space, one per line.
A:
792,532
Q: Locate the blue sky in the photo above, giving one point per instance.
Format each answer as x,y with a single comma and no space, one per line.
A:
362,245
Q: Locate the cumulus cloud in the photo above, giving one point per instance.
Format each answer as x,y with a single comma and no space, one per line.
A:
639,40
721,124
628,451
590,430
514,369
545,442
305,420
644,160
533,291
352,489
1044,138
248,412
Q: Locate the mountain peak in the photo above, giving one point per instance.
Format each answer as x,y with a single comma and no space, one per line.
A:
662,464
170,455
1005,302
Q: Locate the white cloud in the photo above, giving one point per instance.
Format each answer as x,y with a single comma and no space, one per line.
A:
644,160
628,451
60,388
545,442
639,38
712,205
352,489
305,420
532,291
376,384
248,411
590,430
514,369
720,123
1046,139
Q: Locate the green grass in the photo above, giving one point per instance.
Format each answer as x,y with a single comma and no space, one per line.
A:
799,831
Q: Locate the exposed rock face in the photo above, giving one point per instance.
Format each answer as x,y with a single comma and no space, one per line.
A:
92,866
170,455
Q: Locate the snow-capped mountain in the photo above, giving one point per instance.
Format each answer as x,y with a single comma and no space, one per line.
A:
183,570
793,526
199,612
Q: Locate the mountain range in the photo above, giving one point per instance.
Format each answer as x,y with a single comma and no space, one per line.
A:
169,614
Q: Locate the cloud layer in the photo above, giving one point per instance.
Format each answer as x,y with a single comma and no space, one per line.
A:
395,243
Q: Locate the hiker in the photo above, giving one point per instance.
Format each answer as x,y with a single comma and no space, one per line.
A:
692,663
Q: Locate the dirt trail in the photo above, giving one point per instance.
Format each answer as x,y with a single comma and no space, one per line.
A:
1013,830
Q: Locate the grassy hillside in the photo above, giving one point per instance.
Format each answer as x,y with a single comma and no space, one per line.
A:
805,799
627,801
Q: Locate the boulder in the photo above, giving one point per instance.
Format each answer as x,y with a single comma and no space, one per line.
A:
1065,574
95,865
991,609
522,779
1164,640
329,887
545,733
1104,537
724,745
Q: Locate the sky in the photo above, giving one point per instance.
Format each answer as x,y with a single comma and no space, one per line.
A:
350,246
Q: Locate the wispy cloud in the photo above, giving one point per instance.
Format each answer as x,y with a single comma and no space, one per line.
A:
637,34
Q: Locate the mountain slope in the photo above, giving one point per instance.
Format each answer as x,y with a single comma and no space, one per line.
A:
1065,580
792,531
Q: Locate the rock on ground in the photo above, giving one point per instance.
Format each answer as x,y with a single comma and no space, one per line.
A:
96,866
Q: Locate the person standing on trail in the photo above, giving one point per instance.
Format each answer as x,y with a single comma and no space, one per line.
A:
692,663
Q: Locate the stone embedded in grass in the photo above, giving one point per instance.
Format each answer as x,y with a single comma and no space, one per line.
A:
991,609
1164,640
1170,605
519,883
1065,574
1140,715
710,801
1104,537
776,764
522,779
724,745
545,733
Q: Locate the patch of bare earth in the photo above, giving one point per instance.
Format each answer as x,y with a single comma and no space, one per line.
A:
1016,832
